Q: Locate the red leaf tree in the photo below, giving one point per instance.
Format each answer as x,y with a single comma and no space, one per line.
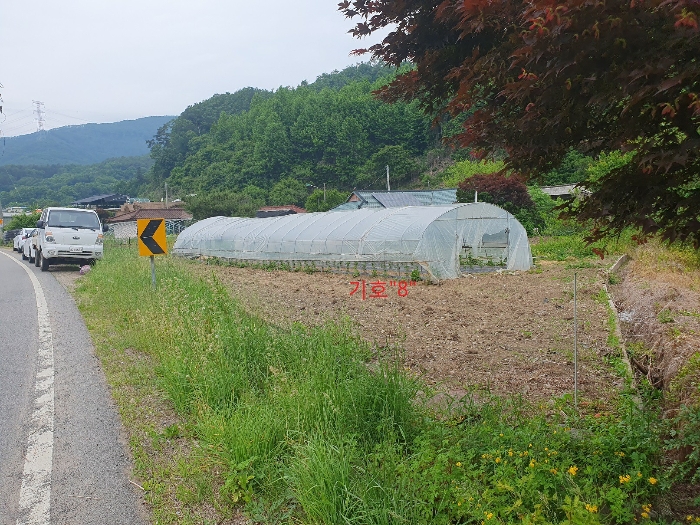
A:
507,192
540,77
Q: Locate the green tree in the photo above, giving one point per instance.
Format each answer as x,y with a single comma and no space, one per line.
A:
402,167
23,221
571,170
288,191
321,200
222,203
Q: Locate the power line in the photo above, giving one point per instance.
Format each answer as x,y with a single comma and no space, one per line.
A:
67,116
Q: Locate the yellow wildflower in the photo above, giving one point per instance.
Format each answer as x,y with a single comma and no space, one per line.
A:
459,463
653,481
498,460
591,508
553,470
489,515
459,503
645,514
573,470
625,479
532,463
501,435
510,452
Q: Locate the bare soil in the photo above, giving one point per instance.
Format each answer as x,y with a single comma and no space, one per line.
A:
508,332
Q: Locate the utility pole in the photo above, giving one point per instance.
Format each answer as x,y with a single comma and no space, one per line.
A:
388,188
166,195
39,112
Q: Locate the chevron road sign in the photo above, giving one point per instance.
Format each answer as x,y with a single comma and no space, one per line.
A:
151,235
151,239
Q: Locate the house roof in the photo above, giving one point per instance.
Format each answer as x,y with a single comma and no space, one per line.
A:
564,190
97,199
295,209
395,199
131,214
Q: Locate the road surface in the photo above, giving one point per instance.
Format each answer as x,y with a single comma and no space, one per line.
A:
63,459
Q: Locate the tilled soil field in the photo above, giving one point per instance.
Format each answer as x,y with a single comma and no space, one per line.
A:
507,332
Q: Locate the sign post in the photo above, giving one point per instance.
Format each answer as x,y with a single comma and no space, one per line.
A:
151,241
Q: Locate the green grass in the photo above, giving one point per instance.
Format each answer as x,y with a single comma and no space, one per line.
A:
573,247
310,425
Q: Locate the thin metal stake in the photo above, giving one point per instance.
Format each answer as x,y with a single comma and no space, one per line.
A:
153,272
575,348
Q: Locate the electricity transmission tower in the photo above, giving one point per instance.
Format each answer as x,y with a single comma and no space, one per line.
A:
39,112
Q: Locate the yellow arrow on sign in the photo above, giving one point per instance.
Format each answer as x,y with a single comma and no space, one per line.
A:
151,237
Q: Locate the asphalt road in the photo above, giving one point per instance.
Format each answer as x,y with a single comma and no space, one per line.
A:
63,459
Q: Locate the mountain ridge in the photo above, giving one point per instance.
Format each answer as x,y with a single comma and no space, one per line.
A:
82,143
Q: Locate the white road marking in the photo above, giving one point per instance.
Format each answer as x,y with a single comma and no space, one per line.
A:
35,494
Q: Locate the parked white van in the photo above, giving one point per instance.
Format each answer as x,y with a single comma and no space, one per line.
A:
68,236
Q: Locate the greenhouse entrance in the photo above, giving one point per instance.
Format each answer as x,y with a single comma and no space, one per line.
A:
440,241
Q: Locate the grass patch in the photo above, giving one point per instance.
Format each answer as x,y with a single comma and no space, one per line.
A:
572,247
227,413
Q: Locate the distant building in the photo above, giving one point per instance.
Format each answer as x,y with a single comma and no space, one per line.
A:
123,224
564,191
395,199
109,200
278,211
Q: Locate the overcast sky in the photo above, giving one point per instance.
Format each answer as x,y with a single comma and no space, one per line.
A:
108,60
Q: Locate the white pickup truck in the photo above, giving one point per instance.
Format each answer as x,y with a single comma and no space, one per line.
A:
68,236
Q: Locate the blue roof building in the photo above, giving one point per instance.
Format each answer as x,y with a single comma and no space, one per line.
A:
396,199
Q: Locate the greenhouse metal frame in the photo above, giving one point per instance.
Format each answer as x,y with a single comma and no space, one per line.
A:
438,238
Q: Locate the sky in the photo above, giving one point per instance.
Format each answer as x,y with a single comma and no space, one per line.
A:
108,60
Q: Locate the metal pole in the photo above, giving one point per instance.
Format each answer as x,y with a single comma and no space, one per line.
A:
153,272
388,188
324,192
575,348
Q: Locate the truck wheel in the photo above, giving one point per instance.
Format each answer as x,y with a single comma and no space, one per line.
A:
44,264
37,259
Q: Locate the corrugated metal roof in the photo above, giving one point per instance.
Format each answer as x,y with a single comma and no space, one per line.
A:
393,199
396,199
168,214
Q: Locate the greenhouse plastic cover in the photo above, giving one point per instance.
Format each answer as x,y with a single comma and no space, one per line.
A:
432,236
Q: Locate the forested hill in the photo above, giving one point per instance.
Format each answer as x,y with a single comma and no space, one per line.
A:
332,131
84,144
54,185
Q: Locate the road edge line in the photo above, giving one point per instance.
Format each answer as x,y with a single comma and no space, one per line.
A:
35,493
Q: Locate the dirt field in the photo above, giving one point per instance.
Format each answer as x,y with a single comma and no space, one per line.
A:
510,332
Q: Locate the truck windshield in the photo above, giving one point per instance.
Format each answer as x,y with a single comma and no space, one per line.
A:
73,219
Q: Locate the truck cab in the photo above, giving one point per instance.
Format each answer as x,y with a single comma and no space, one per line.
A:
69,236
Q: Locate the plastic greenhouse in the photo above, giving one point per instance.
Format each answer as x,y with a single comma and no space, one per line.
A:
440,239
